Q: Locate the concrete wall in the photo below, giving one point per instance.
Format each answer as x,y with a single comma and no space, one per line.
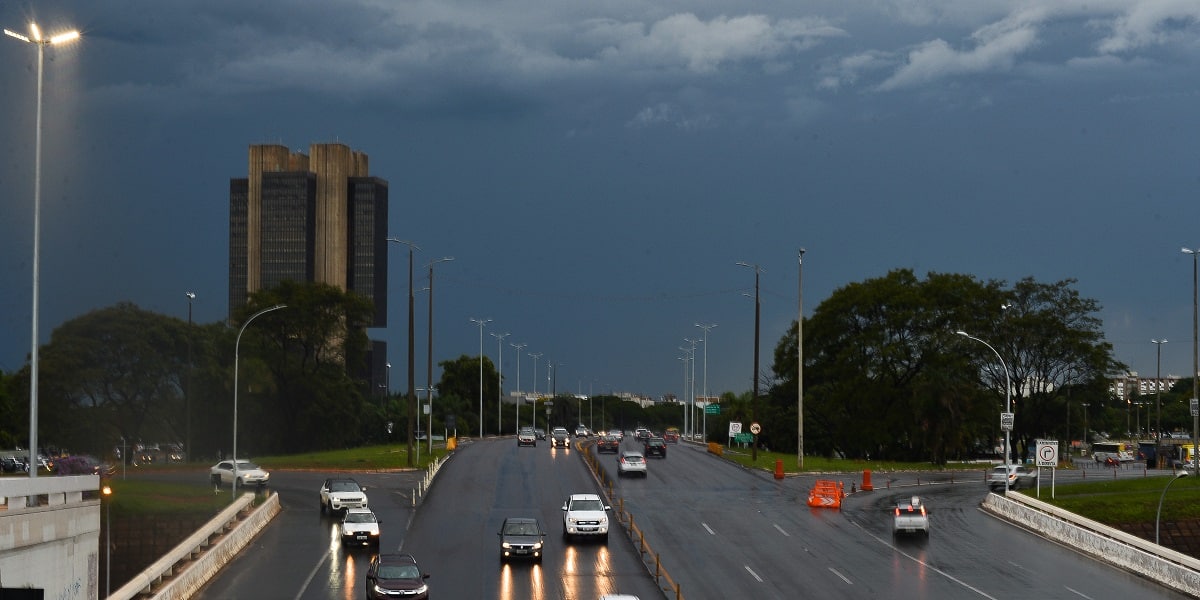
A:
1172,569
50,535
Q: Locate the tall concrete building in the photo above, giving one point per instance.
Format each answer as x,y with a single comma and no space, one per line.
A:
318,217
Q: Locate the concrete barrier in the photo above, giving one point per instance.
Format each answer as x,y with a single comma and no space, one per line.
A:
172,585
1172,569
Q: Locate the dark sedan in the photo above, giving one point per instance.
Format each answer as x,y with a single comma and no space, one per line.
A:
654,446
609,443
521,537
396,576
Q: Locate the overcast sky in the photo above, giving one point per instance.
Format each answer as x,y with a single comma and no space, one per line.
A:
597,168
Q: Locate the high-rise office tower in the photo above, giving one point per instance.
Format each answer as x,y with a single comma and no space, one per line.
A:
318,217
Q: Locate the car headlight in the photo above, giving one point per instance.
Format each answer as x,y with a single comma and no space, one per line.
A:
421,590
505,545
537,546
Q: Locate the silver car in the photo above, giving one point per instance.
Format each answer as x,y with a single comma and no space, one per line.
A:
631,463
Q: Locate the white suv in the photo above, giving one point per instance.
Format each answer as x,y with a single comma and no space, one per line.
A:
340,494
585,515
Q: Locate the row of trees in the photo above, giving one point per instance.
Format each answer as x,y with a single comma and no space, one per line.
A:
885,376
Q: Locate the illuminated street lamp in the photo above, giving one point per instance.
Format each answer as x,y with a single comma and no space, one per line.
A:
1007,407
481,323
107,491
800,365
36,38
533,410
236,349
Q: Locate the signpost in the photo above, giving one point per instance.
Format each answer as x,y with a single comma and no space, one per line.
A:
735,430
712,409
1047,456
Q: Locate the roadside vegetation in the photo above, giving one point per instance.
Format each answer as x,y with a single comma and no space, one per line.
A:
1114,502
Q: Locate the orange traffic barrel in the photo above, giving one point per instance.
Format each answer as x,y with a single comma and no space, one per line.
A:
866,486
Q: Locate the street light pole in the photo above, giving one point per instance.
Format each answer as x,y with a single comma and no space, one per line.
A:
1007,406
689,423
412,383
107,491
480,323
1158,402
1195,365
520,394
754,398
236,350
1158,515
499,378
533,409
41,43
429,346
800,365
704,416
187,386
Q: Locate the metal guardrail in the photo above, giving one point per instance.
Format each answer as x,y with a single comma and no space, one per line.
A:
650,559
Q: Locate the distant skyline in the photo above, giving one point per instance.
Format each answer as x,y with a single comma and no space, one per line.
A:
597,169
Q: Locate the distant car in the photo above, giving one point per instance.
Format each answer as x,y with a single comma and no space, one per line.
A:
521,537
526,437
339,494
641,433
654,446
248,473
671,436
393,576
910,517
585,515
541,433
608,443
581,432
360,528
560,437
1019,476
631,463
12,464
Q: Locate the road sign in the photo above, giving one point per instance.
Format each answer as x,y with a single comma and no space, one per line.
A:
755,428
1006,421
743,438
1047,453
450,422
1195,407
712,409
735,427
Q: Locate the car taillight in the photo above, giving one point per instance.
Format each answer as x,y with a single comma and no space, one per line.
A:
897,511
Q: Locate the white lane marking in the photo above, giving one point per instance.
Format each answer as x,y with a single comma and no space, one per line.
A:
1078,593
925,564
786,534
752,573
844,578
311,574
708,529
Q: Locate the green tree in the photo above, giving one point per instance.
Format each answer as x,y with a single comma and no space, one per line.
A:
312,390
886,377
461,379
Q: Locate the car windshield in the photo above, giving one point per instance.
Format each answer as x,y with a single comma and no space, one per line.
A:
633,458
343,486
244,465
587,505
399,572
521,528
360,518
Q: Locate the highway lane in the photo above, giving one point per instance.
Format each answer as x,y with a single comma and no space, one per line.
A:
452,534
731,532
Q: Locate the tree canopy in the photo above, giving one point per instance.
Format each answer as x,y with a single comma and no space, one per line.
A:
887,376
